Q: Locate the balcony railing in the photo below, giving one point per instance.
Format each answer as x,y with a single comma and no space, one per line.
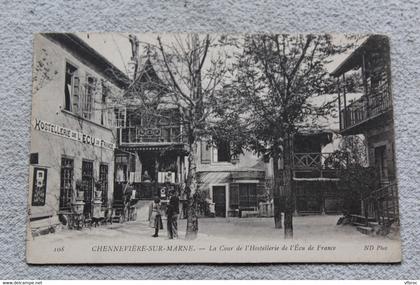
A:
318,160
365,108
383,204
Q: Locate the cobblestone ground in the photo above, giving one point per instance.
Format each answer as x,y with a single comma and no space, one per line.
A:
315,227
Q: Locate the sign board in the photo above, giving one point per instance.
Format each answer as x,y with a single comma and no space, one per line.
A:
148,132
54,129
39,186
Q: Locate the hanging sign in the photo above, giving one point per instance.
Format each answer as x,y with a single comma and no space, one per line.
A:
148,132
39,186
54,129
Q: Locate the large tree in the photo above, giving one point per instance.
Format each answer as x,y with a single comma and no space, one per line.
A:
193,69
277,77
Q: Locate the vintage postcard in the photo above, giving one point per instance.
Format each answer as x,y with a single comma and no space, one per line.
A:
212,148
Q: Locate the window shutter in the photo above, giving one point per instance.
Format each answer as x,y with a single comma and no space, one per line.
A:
215,154
76,92
234,195
124,118
205,153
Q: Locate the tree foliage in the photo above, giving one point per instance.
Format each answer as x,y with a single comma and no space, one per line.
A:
277,80
357,179
192,70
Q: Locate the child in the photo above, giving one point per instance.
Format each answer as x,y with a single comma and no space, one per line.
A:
156,217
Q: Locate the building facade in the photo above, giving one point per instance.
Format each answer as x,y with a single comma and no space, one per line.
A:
152,154
234,187
72,141
372,115
315,180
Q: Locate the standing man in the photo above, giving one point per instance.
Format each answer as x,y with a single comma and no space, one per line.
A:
172,213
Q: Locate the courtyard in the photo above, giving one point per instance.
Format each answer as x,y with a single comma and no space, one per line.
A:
306,228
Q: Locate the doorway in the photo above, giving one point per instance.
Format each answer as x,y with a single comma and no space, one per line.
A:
219,200
87,185
380,163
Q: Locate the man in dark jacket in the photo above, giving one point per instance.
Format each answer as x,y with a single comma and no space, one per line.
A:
172,214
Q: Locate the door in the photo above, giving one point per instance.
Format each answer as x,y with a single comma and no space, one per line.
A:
219,200
380,164
87,182
66,183
309,196
103,177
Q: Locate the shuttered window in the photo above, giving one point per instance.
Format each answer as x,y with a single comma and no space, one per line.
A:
88,99
71,89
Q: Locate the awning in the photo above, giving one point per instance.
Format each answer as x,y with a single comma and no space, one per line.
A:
155,147
316,179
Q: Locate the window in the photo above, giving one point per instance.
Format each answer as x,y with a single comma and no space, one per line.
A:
111,117
205,152
66,183
88,98
248,195
103,177
221,153
120,117
71,89
105,93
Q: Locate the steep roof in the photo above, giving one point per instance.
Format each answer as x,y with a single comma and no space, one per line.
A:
354,60
146,76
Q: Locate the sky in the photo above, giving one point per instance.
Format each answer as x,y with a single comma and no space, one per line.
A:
116,47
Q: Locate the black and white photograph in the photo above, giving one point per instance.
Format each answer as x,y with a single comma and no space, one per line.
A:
212,148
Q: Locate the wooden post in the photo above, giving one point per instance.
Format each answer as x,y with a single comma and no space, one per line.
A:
345,102
178,169
156,167
339,103
181,170
364,76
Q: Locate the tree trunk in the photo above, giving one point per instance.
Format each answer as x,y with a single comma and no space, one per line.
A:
287,180
191,184
276,193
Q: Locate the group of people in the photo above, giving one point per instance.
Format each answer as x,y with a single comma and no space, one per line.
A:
172,213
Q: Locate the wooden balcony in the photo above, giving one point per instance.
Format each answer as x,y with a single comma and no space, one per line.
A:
364,109
317,165
366,70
